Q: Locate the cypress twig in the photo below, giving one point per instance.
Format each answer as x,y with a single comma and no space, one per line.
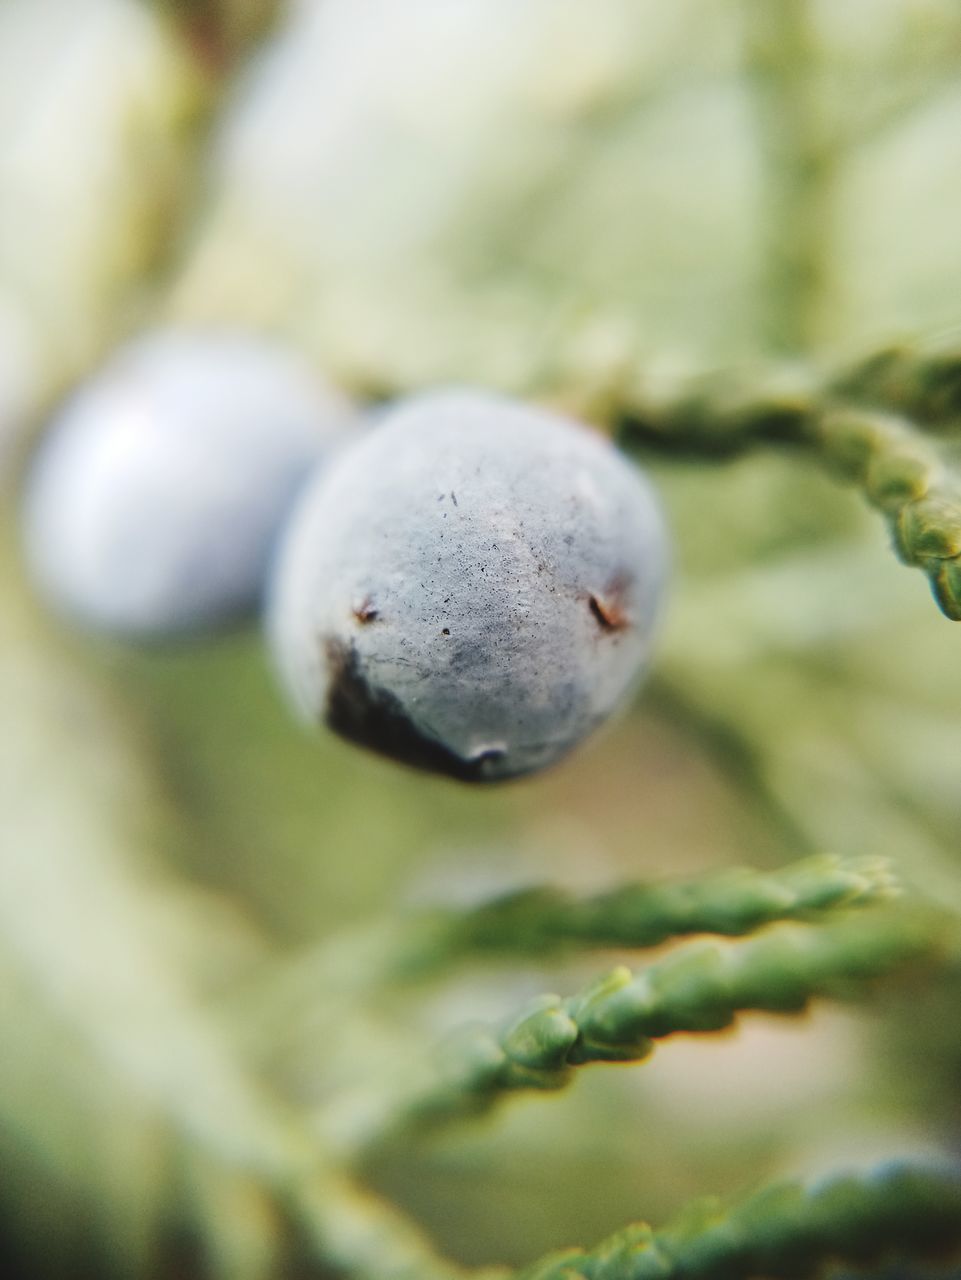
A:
788,1230
799,154
921,382
541,919
731,903
699,988
895,467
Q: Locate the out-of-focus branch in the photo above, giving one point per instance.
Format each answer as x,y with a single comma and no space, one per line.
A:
799,159
788,1230
699,988
921,381
731,903
219,32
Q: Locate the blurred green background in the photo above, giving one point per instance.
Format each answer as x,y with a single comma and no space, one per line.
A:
541,196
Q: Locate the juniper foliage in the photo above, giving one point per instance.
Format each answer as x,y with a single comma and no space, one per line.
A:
725,231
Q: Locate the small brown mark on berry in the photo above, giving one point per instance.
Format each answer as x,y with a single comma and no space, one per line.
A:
609,610
366,611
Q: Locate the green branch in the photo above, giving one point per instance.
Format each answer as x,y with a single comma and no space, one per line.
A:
699,988
732,903
923,383
900,476
540,920
799,159
887,458
790,1231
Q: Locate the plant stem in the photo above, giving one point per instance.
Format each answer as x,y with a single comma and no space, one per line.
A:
731,903
887,458
798,163
788,1230
698,988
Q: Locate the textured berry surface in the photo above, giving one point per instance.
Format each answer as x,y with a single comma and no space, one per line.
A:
470,589
155,499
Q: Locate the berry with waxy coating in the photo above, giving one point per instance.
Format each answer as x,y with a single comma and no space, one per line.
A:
471,588
153,505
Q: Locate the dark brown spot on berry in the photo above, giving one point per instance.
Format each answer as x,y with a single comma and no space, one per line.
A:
374,717
366,611
609,610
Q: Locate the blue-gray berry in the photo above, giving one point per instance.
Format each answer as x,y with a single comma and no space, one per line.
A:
153,504
471,588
